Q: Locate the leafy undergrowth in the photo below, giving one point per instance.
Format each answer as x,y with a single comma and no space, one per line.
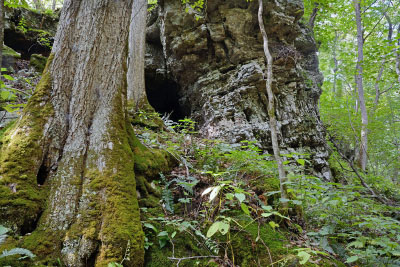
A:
220,206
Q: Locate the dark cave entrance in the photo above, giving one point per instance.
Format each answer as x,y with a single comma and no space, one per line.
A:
164,96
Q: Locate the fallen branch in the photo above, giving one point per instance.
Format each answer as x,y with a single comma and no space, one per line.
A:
375,195
190,258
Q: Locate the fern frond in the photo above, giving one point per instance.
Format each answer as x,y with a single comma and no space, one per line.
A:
17,251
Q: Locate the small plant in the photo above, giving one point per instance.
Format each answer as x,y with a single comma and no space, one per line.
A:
22,26
24,253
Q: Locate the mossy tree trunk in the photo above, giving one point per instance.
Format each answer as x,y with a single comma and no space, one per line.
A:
66,167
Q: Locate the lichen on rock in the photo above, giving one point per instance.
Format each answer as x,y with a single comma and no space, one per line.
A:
214,60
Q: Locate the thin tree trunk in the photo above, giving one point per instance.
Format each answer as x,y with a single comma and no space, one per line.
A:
398,55
382,68
38,4
53,5
313,16
271,108
359,82
137,49
335,61
66,168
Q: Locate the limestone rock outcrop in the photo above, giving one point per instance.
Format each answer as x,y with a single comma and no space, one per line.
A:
215,59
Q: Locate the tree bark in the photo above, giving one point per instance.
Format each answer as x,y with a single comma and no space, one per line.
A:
313,16
66,168
137,49
336,62
359,82
382,68
271,108
398,55
53,5
38,4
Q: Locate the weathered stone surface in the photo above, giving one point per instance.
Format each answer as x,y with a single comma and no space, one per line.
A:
29,32
6,118
216,62
10,57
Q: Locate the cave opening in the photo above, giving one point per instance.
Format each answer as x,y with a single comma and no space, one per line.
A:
164,96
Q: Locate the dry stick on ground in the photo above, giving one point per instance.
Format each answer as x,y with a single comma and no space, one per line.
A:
262,241
190,258
271,109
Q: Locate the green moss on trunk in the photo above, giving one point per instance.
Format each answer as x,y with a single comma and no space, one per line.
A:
21,198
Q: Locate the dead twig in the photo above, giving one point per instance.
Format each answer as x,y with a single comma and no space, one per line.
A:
190,258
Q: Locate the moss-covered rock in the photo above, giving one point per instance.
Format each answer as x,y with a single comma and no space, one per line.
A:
38,62
10,57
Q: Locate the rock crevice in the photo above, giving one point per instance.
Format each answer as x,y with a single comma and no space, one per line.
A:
213,59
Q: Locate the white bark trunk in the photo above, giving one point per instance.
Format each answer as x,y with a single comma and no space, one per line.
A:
38,4
271,108
137,49
398,56
359,82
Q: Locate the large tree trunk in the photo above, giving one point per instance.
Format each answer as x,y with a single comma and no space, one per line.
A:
66,168
137,49
359,82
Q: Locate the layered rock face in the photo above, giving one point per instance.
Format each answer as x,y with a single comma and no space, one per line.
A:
213,63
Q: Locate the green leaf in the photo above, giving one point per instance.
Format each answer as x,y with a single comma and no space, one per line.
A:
223,228
150,226
8,77
351,259
304,257
163,233
267,208
273,224
245,209
3,230
266,214
229,196
240,196
17,251
301,161
213,229
297,202
356,244
5,94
